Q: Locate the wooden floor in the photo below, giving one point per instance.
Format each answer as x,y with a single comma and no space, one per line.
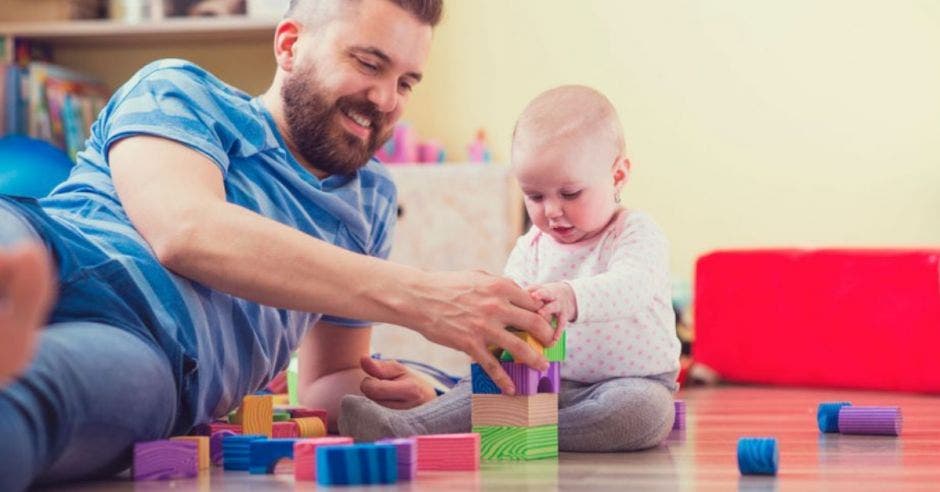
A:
700,459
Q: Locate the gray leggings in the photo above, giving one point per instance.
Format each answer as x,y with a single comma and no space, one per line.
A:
623,414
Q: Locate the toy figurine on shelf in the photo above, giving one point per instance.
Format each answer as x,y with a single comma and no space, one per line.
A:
478,150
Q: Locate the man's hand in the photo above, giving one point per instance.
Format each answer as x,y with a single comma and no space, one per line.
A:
559,302
391,384
470,311
27,289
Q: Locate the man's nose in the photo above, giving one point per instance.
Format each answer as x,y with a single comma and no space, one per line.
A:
385,96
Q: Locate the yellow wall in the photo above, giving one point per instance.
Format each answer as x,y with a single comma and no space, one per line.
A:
749,122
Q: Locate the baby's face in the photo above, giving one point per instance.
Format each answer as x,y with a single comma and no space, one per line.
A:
569,188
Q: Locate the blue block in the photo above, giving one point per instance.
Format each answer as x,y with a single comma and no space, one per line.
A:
235,451
758,456
357,464
827,416
265,454
482,384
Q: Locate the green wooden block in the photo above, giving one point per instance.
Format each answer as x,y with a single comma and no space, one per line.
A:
555,353
517,443
281,416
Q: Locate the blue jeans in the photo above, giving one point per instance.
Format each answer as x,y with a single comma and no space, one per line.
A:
91,392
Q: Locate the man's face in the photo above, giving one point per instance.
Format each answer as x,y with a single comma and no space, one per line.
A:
351,81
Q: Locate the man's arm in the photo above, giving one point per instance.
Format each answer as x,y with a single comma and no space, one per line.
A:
328,359
175,197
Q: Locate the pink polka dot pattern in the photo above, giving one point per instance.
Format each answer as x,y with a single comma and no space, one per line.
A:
620,277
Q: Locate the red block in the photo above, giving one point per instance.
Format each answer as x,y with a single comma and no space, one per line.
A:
837,318
449,452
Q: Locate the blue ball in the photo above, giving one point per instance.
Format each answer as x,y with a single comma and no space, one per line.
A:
31,167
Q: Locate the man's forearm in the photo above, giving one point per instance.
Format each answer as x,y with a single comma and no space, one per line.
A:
234,250
327,392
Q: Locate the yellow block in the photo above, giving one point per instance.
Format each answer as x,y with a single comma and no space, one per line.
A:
257,413
311,427
202,448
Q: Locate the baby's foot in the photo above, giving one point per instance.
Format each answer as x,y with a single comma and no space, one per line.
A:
26,293
365,420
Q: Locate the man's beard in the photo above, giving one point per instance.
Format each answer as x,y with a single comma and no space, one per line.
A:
316,133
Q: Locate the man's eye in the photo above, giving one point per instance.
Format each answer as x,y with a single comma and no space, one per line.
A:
368,66
405,86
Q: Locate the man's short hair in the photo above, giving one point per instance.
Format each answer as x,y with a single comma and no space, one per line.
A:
427,11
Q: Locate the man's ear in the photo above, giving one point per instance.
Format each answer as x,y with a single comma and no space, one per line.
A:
286,35
621,172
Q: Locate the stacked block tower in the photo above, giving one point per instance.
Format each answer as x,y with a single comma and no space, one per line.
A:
523,426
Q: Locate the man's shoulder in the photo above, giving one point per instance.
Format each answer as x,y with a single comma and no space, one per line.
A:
185,76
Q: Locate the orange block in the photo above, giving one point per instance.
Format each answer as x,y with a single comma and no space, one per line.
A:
258,415
202,448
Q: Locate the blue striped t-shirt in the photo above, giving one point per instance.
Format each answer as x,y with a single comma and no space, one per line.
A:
222,346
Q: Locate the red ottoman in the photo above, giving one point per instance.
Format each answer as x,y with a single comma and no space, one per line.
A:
839,318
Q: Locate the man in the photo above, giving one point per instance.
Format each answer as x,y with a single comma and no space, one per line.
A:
199,231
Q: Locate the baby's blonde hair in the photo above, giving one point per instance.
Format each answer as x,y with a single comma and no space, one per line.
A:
567,113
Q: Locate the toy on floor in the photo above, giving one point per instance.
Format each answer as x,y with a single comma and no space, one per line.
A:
846,418
166,459
407,449
305,455
758,456
264,454
679,422
523,426
357,464
449,452
202,448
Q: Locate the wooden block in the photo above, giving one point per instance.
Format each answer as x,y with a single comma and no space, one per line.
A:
518,443
528,381
407,448
517,411
299,413
257,415
453,452
236,451
215,445
164,460
218,426
310,427
285,430
263,454
202,448
357,464
555,353
305,455
481,382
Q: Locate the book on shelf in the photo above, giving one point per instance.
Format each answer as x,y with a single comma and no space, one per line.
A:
50,102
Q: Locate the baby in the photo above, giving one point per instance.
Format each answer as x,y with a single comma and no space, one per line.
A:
600,268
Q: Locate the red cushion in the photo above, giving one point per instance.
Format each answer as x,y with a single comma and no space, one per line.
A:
840,318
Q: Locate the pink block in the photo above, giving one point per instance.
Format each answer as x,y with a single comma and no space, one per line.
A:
285,430
449,452
305,455
217,426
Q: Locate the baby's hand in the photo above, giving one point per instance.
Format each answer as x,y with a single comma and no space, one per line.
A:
559,302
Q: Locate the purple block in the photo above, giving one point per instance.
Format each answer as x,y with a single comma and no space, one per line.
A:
162,460
215,445
529,381
884,421
679,422
407,449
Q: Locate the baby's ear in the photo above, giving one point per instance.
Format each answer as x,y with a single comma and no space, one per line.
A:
621,171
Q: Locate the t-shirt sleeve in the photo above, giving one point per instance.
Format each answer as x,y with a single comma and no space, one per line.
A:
638,269
171,101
